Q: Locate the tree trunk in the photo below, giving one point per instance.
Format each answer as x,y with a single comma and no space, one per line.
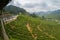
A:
3,29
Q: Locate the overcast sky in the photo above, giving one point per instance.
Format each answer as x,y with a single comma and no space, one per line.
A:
37,5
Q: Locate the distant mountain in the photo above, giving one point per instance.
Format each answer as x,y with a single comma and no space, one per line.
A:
54,14
49,14
40,13
14,9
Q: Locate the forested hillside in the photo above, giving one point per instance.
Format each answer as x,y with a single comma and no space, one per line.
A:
14,10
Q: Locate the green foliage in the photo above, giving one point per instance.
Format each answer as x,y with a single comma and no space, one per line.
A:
33,15
17,29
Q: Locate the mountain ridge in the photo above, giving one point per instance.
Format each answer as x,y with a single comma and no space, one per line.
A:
14,9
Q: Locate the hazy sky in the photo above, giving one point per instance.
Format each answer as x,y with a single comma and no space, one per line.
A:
37,5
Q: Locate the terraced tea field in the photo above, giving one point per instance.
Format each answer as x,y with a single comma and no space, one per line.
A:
28,28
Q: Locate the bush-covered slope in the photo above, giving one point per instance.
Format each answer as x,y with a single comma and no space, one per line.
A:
28,28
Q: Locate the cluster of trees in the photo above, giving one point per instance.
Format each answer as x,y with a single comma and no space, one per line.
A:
33,15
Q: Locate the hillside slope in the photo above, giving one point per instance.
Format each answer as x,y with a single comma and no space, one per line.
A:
14,9
28,28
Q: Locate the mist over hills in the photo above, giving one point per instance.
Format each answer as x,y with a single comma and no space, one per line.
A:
54,14
50,14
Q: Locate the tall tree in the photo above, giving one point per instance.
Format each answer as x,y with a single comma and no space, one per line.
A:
3,3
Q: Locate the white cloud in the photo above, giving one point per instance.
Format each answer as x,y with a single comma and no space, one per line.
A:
37,5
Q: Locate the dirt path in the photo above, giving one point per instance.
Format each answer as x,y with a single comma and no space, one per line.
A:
30,30
46,33
8,20
12,27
